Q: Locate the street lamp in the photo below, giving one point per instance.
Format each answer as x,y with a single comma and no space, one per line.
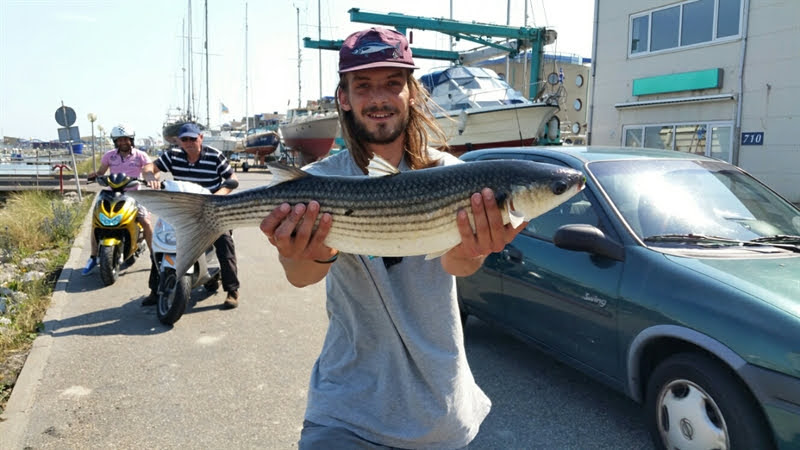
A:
92,117
102,137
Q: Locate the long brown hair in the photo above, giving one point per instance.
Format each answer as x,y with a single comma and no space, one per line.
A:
422,129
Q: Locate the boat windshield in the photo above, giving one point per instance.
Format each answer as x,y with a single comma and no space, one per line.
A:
470,87
694,197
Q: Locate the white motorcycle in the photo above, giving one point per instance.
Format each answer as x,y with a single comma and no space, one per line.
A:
174,292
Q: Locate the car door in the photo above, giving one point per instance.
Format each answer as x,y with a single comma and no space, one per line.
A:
565,300
482,292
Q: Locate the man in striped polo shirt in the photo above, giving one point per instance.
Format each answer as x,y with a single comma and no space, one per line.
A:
208,167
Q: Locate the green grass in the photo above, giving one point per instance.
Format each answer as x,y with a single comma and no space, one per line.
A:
30,222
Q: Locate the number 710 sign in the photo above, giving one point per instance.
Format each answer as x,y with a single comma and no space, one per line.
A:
753,138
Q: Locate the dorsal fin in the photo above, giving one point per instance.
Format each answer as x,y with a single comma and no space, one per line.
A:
281,173
379,167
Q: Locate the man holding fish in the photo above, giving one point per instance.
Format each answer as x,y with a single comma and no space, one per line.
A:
393,370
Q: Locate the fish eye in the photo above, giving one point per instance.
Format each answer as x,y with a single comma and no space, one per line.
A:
558,187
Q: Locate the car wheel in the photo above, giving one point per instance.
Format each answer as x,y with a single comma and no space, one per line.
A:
694,402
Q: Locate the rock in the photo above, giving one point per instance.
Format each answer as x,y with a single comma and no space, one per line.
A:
33,276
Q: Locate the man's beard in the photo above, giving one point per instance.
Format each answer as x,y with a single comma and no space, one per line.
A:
384,135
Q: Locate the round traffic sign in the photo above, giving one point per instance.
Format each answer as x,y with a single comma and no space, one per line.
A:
65,116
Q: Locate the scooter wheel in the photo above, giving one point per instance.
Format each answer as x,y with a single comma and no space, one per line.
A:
174,298
108,263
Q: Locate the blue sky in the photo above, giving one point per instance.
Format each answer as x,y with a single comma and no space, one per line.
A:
123,60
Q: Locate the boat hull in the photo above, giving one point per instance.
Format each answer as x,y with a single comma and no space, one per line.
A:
311,136
511,125
261,145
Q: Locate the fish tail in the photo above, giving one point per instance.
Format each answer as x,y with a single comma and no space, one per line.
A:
194,218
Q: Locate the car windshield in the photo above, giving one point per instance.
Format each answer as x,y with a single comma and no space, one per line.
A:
673,198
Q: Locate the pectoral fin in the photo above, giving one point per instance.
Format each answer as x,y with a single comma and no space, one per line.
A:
379,167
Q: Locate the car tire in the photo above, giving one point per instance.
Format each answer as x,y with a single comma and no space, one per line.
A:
694,401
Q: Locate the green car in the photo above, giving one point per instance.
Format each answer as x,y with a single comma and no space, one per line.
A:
671,277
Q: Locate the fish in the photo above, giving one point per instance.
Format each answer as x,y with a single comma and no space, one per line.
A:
374,47
387,213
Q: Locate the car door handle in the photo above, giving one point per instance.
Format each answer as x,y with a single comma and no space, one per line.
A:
513,255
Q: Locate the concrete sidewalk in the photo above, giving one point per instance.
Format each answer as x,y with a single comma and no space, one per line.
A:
105,373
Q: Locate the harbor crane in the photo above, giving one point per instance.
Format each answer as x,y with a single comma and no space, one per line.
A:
495,40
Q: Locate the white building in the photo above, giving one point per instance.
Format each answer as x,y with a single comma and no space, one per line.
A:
715,77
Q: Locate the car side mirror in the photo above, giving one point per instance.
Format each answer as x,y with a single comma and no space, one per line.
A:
588,238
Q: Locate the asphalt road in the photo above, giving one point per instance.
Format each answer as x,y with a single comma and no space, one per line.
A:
106,374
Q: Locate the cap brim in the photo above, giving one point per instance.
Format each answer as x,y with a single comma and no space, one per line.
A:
379,64
194,135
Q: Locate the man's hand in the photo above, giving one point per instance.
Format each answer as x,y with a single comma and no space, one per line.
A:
490,235
291,231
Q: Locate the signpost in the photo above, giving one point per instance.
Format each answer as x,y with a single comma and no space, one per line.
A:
65,116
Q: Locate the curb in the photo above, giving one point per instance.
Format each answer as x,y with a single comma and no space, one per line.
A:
14,420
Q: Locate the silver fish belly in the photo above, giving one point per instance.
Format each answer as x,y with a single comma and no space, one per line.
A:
402,214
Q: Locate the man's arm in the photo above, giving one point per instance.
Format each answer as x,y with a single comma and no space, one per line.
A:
225,190
149,172
490,236
100,171
301,250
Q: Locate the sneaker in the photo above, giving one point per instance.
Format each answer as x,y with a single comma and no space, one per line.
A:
90,265
232,301
151,299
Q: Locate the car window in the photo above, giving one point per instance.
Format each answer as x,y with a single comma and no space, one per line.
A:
580,209
668,197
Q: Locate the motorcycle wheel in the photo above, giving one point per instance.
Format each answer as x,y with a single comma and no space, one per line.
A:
175,294
108,261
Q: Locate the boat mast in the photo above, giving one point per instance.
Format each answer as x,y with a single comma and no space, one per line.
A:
299,56
319,51
208,114
246,75
185,81
189,56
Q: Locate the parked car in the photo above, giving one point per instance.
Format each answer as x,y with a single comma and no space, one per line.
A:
671,277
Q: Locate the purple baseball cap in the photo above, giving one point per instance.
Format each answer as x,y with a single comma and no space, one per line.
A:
375,47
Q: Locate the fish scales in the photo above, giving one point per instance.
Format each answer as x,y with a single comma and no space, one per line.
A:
404,214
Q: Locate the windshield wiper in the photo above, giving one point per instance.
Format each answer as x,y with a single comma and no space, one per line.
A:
696,238
778,238
701,239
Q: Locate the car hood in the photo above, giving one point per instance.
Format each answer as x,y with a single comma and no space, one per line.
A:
774,280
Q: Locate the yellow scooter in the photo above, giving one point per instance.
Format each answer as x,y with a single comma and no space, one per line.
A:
119,236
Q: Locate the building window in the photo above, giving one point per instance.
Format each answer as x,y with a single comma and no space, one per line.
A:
689,23
708,139
698,22
577,104
664,32
728,18
640,28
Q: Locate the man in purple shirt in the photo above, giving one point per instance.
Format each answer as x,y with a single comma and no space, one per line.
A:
127,159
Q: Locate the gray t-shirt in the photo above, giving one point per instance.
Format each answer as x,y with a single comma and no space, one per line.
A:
393,367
